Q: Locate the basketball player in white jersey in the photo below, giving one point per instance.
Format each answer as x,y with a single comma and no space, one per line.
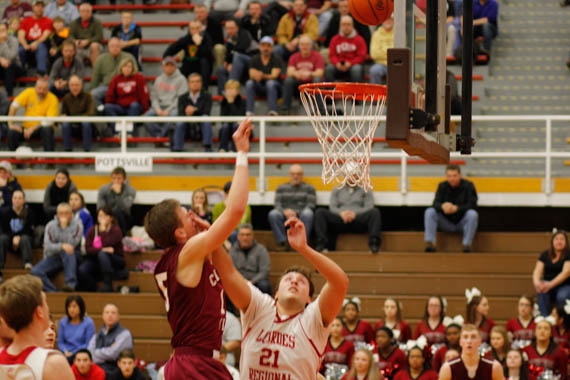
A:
470,365
284,338
24,309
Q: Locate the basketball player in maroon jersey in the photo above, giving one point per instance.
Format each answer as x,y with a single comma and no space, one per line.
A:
24,309
186,279
470,365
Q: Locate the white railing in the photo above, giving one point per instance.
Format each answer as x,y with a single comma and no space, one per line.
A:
547,197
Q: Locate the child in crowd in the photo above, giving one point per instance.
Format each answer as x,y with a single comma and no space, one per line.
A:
60,33
477,311
393,320
77,203
363,367
452,333
452,354
500,345
355,330
522,327
338,349
544,353
432,324
417,365
232,105
13,26
390,358
49,334
200,204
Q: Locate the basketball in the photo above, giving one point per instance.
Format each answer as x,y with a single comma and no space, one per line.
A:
371,12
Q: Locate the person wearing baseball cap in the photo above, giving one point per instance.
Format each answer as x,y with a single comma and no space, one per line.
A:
8,184
264,77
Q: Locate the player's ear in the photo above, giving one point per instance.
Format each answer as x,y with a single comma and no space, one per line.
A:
180,234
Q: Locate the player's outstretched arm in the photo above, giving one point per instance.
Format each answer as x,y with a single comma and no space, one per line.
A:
445,372
235,285
57,368
333,292
498,373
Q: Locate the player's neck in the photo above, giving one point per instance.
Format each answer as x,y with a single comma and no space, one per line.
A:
471,359
30,336
288,308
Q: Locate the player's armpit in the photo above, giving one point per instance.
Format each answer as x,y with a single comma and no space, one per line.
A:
191,261
235,285
57,368
445,372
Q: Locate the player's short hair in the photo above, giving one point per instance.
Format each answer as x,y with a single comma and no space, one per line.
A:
161,222
20,296
84,351
127,354
305,272
453,167
119,169
468,327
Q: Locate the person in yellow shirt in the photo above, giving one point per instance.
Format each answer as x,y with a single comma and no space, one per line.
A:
37,101
382,40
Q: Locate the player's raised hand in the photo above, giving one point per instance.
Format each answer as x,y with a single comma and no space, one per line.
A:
242,134
296,233
201,224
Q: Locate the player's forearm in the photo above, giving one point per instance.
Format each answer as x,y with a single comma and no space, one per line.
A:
330,270
235,285
237,197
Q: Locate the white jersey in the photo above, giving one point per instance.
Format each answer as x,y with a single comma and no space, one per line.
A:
25,366
275,348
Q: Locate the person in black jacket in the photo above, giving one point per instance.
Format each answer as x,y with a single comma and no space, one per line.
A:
454,209
196,102
232,105
334,25
130,35
197,47
256,23
17,225
213,29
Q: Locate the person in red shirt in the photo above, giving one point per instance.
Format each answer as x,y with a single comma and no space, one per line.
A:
477,311
516,367
417,366
390,358
127,93
522,328
355,330
452,332
500,345
32,35
561,329
83,367
432,324
393,319
338,349
347,53
17,8
544,354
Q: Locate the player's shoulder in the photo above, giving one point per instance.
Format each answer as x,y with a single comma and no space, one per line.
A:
452,362
489,361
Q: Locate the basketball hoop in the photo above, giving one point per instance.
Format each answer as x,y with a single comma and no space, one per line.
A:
346,144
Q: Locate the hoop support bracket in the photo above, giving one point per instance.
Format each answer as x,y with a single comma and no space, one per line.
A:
422,119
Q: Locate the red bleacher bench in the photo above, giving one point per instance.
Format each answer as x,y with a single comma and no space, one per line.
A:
137,7
180,24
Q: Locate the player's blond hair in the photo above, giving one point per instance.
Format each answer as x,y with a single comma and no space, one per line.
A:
468,327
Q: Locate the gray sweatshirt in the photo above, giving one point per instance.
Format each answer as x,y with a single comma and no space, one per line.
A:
226,5
253,263
9,50
122,201
351,198
60,71
55,236
165,92
295,197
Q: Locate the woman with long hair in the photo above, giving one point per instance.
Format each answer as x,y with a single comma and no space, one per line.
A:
57,191
354,328
393,320
200,204
76,328
338,349
418,369
521,328
391,359
477,312
452,334
551,275
80,212
561,329
363,367
431,326
500,345
516,368
544,354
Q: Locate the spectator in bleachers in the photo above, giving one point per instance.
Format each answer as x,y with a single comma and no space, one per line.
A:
37,101
17,8
57,191
543,353
305,66
454,209
432,323
200,204
451,28
214,30
394,320
223,10
500,345
517,367
485,22
129,35
75,328
87,31
8,184
127,368
111,339
80,212
338,350
551,273
264,77
119,196
77,103
452,333
83,367
355,329
232,105
295,198
56,39
347,53
63,68
561,329
321,9
17,230
477,313
382,40
127,94
231,338
391,359
455,98
334,25
220,207
255,22
240,47
362,367
418,366
104,247
62,238
10,68
32,35
62,8
351,210
291,26
223,358
164,94
251,258
50,334
197,47
521,328
196,102
13,26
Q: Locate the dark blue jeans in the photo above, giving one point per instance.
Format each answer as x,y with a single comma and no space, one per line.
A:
488,31
559,294
271,88
94,266
41,56
226,132
177,143
55,263
68,129
112,109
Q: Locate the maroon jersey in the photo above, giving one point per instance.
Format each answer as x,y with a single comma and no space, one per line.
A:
434,336
404,329
563,340
439,357
425,375
485,329
362,332
519,330
459,372
554,358
392,363
342,354
492,355
196,315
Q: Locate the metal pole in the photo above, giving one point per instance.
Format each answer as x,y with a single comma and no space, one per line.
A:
261,184
403,172
431,56
467,72
399,24
548,159
123,126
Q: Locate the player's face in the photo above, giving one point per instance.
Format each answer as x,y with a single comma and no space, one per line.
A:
543,331
383,340
434,307
49,336
188,228
452,335
497,341
361,362
483,307
110,315
470,341
514,359
525,308
350,312
450,355
416,359
336,328
73,310
127,366
453,177
390,309
294,286
82,363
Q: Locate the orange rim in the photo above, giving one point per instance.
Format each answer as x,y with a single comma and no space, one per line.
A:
339,90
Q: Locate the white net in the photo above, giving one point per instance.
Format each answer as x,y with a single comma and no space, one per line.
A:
344,124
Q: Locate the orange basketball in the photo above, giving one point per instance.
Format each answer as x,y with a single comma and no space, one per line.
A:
371,12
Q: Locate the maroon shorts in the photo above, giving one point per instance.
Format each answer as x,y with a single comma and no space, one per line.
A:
195,367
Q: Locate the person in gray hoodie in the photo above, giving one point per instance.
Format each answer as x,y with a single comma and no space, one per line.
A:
164,94
10,67
62,238
119,196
